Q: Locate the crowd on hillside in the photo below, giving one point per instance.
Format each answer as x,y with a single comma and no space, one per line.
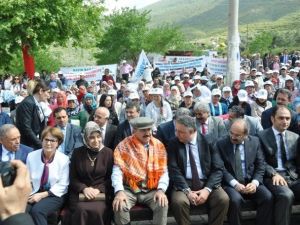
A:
100,147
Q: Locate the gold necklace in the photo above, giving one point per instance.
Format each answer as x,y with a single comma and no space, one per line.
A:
92,160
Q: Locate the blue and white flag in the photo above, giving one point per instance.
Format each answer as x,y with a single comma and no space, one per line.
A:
140,67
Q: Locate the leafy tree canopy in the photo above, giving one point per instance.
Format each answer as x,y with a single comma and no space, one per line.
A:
39,23
126,34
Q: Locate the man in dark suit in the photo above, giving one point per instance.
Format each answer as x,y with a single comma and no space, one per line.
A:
283,98
281,150
209,126
244,169
166,131
195,174
124,129
108,130
72,133
10,147
30,118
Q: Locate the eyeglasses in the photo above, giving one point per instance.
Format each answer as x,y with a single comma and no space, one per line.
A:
50,140
236,136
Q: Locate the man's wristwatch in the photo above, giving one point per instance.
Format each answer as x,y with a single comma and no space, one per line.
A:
186,191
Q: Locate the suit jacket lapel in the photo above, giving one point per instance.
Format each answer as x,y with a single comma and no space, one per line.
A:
201,153
210,125
0,153
18,154
230,154
69,130
183,155
127,129
272,140
247,151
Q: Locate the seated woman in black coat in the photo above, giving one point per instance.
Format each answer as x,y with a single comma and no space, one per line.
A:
90,175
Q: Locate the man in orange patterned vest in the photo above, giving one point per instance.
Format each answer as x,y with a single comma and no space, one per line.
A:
140,174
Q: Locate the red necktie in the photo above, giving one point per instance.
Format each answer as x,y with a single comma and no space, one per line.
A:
203,128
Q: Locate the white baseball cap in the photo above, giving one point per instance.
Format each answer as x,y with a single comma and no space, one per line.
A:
289,78
134,95
216,91
187,94
196,77
242,95
156,91
71,97
226,88
219,76
177,78
204,78
249,83
112,92
262,93
36,74
268,83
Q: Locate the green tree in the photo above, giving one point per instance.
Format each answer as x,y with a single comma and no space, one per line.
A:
40,23
261,43
43,61
127,33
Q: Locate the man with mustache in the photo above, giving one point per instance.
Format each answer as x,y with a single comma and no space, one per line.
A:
140,173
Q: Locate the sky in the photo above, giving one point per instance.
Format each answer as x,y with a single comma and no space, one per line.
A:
117,4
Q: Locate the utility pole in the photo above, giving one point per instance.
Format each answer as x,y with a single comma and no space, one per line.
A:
233,55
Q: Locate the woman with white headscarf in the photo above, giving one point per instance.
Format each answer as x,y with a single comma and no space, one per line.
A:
158,109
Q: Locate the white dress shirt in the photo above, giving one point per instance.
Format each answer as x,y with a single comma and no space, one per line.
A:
7,155
195,152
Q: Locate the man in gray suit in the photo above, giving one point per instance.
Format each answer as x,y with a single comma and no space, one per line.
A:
72,133
281,150
237,112
210,126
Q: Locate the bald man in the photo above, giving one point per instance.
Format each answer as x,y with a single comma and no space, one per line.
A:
244,168
109,131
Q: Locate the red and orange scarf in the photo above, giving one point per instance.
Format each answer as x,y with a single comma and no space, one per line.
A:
139,165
